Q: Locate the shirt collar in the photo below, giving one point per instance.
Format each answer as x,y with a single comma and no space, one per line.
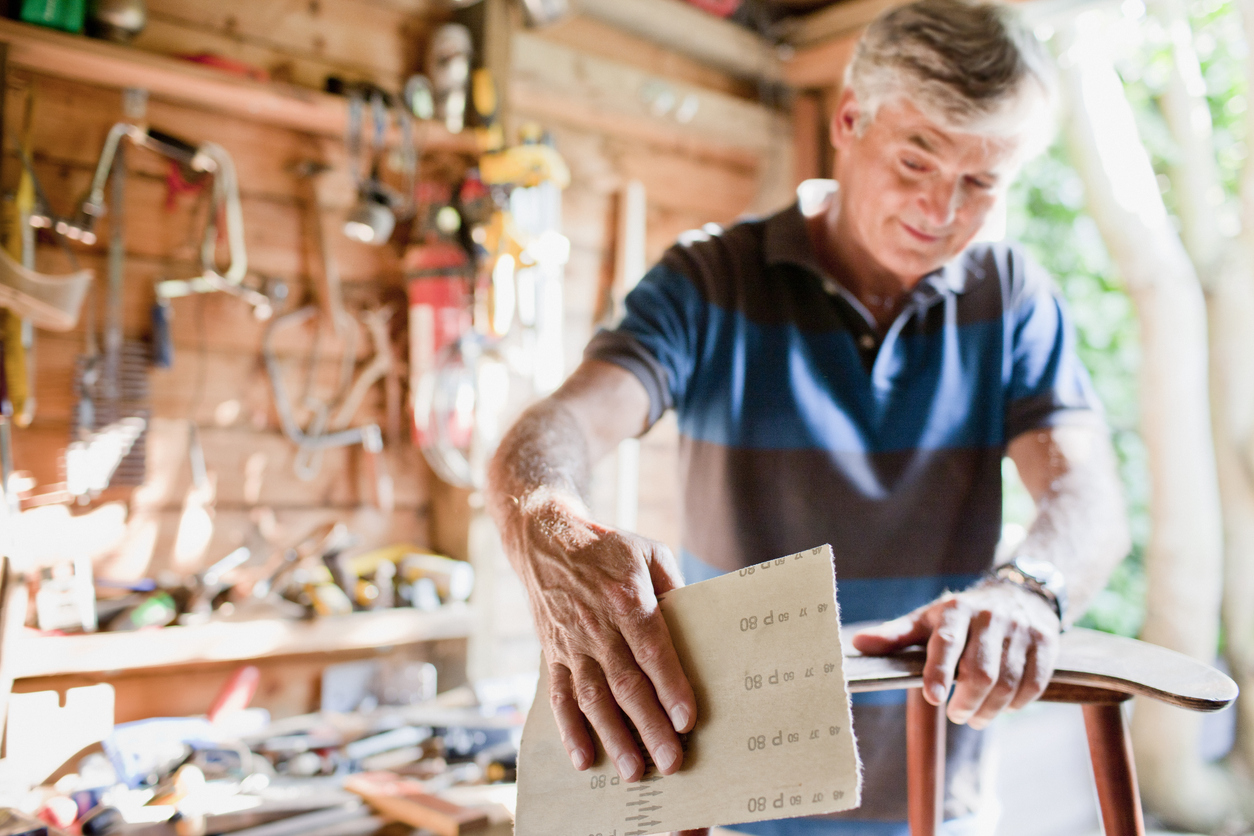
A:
787,241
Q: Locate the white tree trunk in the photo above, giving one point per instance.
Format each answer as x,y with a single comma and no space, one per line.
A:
1225,265
1232,375
1184,560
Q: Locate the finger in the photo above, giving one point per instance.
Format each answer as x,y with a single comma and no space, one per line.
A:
664,570
1013,661
1037,670
979,667
570,723
893,635
654,651
944,649
597,703
633,688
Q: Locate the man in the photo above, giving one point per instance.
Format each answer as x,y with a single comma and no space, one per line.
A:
851,374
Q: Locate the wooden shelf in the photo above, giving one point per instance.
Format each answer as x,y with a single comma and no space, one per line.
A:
230,641
92,61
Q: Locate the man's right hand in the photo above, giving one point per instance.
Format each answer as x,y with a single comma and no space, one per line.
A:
594,594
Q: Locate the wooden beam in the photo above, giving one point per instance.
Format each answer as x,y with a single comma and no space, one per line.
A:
808,131
686,29
225,641
587,34
835,21
556,82
104,64
821,65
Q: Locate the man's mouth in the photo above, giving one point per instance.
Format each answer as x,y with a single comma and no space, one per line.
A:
920,235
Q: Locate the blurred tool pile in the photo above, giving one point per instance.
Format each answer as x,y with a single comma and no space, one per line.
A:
320,576
443,764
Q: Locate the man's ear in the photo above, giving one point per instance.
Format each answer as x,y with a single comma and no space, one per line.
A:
844,126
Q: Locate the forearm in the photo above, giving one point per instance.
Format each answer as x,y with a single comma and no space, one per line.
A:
1081,523
593,589
543,458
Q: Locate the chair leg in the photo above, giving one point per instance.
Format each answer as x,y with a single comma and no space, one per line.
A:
925,763
1111,751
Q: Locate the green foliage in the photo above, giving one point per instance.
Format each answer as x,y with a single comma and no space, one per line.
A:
1046,213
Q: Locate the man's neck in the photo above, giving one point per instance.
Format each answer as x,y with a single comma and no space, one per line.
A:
835,246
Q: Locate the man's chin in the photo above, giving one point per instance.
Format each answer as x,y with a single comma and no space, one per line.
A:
912,267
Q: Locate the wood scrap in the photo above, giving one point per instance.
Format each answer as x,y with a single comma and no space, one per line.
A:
406,800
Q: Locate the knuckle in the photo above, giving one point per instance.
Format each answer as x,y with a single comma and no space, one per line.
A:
978,674
650,654
562,700
590,693
1008,682
947,632
624,600
628,685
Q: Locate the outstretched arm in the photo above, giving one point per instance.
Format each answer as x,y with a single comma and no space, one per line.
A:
998,640
593,589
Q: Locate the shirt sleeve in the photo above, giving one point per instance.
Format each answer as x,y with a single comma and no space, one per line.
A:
658,337
1049,385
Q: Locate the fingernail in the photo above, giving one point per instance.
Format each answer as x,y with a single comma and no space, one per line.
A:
579,758
679,718
666,757
938,693
626,767
977,723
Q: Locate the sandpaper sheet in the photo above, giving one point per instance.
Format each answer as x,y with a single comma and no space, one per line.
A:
773,738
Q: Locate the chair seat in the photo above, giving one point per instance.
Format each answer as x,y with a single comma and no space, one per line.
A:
1089,663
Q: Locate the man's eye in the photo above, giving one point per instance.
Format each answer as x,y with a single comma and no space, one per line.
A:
913,165
983,185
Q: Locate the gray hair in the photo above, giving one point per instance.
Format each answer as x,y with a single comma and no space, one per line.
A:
971,66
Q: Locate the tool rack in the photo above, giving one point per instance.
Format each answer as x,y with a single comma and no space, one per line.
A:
283,105
35,662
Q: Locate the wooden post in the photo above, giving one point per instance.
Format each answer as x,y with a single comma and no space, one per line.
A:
807,132
925,763
1113,769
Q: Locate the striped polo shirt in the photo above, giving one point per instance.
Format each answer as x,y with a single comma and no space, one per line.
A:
801,424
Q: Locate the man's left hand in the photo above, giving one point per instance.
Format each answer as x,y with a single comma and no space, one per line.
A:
998,641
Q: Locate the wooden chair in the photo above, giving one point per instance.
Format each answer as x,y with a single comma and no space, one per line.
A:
1096,670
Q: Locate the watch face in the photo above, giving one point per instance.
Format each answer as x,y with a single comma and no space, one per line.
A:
1041,571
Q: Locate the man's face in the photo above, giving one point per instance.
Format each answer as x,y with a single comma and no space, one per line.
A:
913,193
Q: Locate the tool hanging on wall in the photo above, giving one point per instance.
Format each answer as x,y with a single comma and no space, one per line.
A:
373,218
208,159
368,435
51,302
448,67
109,437
465,394
20,243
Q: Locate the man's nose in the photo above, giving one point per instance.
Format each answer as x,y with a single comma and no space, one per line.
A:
940,202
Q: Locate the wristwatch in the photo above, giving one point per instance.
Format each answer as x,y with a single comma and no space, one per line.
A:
1039,576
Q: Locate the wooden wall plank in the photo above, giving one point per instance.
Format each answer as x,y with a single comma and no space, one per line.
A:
588,34
683,28
230,453
349,33
225,323
570,86
194,384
